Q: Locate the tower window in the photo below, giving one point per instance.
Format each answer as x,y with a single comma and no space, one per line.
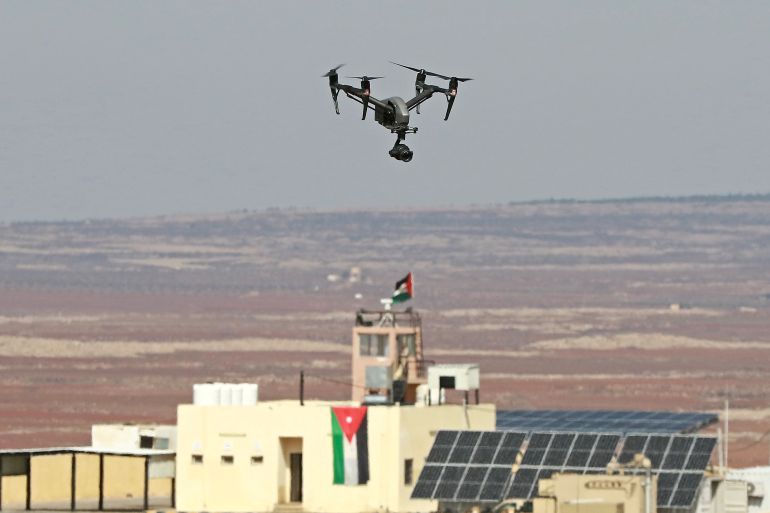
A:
373,345
382,345
406,345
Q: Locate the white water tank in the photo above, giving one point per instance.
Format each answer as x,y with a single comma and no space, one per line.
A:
225,394
206,394
250,394
237,399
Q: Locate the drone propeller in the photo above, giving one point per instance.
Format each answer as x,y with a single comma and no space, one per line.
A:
332,76
409,67
366,78
332,71
430,73
420,80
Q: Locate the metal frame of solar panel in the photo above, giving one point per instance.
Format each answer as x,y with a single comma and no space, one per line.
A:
569,421
476,466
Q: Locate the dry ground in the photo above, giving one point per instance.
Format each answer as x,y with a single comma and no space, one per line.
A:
563,305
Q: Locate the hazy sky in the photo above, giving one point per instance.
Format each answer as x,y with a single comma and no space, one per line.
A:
113,109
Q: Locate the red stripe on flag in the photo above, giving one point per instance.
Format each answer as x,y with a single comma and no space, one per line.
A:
349,418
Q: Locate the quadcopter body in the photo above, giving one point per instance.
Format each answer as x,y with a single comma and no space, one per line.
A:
393,113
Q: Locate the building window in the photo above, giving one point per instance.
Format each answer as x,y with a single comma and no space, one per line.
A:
382,345
145,442
406,345
197,459
408,471
256,460
373,345
365,344
227,459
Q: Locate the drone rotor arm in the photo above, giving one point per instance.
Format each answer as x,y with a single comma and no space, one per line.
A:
372,102
425,93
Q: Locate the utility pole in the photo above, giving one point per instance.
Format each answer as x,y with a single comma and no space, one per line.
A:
721,450
302,388
727,432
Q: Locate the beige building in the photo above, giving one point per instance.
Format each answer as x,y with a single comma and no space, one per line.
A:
85,478
129,437
279,455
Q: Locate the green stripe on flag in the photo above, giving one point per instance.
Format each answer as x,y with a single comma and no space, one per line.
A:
400,298
338,438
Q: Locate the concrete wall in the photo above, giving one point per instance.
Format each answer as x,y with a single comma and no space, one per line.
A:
126,437
51,481
14,492
86,481
123,482
206,482
160,490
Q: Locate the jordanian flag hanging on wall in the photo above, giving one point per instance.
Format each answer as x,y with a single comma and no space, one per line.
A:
404,289
350,441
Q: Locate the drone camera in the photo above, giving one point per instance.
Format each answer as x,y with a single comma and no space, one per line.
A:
401,152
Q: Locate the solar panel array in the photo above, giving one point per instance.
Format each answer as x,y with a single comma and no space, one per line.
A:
603,421
679,462
468,466
548,453
476,466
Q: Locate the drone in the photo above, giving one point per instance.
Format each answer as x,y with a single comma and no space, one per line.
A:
393,113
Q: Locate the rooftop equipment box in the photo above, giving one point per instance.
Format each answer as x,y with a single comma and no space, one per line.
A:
460,376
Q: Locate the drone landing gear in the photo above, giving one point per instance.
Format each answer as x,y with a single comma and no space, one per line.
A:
401,151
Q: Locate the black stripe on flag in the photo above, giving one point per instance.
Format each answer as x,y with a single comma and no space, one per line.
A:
362,446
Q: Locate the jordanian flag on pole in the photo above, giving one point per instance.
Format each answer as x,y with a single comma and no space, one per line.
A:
404,289
350,441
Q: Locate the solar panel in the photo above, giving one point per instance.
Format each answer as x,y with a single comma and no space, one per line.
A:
564,452
442,446
495,484
476,466
578,459
426,483
509,448
679,462
468,466
603,421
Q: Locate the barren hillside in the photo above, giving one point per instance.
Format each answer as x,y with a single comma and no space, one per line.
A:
564,305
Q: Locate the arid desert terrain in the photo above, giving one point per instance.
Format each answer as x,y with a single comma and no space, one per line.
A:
635,304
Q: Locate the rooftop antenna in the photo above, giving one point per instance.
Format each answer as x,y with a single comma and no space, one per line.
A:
387,318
